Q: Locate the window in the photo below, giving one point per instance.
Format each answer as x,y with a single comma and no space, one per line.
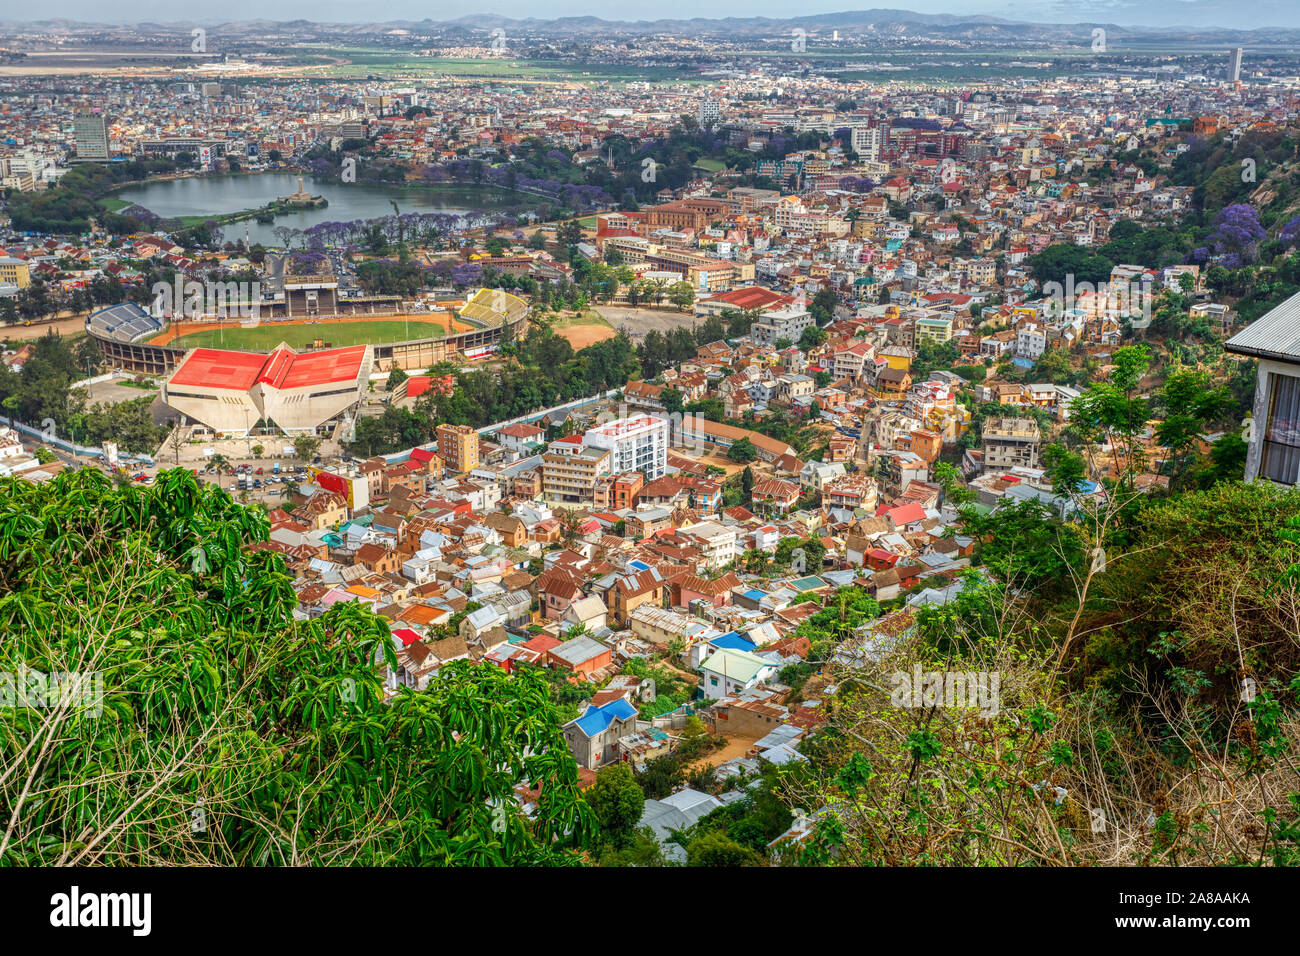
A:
1280,451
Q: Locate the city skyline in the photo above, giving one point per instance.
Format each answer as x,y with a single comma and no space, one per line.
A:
1192,14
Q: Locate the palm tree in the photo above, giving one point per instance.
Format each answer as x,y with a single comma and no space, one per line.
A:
569,524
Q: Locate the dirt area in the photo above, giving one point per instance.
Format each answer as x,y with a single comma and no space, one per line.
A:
736,747
580,336
759,468
23,333
639,321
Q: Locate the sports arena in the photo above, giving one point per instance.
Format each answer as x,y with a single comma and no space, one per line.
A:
135,340
230,392
298,372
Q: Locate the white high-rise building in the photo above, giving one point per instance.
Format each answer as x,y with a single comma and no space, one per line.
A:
710,112
866,143
638,443
92,135
1234,64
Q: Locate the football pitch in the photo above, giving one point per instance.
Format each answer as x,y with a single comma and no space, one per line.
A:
268,335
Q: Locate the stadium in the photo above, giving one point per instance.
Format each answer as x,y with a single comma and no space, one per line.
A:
230,392
297,372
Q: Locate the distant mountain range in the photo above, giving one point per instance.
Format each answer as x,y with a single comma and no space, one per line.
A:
878,22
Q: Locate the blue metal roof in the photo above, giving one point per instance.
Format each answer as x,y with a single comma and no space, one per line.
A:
598,719
734,642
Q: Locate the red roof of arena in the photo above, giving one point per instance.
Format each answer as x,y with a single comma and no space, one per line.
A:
217,368
282,368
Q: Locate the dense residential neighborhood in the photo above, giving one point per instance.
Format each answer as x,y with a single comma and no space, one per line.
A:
737,461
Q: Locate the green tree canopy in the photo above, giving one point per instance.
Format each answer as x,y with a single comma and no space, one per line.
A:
219,706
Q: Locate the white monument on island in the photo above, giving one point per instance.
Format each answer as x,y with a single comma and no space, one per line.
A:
300,196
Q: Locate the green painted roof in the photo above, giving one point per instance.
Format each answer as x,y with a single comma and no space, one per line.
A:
735,665
810,583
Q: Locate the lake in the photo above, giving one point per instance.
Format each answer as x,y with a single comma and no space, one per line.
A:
213,195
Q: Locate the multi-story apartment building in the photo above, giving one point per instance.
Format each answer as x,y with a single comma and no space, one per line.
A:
848,362
866,142
933,330
1010,443
458,447
1031,341
717,541
572,469
14,272
638,443
788,323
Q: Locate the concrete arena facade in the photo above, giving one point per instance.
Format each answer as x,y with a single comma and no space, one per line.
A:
230,392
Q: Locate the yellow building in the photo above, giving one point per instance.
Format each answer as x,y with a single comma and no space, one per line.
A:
896,357
458,447
15,272
933,329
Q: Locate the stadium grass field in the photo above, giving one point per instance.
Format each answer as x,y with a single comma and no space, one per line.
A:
268,335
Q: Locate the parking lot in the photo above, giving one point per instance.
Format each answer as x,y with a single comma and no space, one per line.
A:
273,491
273,486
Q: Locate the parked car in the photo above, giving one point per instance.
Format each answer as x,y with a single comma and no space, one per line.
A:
260,470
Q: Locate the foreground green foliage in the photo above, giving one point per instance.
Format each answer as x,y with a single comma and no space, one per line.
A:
232,732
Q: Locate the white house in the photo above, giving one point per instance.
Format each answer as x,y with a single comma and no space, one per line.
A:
718,540
1273,430
728,672
815,474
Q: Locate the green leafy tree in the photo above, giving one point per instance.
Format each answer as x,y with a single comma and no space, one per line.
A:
955,490
811,338
661,776
617,803
1192,402
219,705
672,400
716,849
305,447
742,450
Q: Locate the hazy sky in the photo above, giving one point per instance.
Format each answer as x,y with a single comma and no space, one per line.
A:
1250,14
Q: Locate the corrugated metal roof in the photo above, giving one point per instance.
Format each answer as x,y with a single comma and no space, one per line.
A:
597,719
1276,334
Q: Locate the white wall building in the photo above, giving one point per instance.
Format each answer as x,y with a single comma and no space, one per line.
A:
637,443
